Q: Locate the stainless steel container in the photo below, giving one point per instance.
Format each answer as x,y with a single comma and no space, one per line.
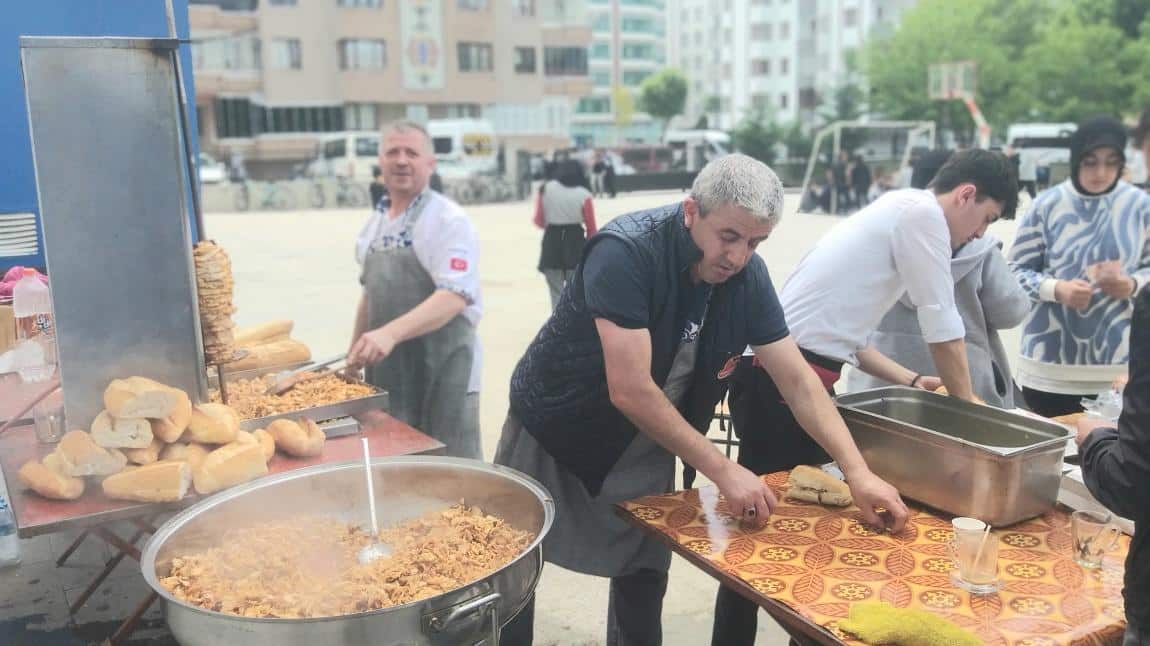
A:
378,400
963,458
405,487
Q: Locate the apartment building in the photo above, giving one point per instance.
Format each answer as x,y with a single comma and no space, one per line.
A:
272,76
628,44
784,56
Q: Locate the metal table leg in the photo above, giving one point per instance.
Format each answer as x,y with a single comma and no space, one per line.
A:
129,624
108,567
72,548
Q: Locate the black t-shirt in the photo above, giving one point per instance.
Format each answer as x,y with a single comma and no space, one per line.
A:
617,286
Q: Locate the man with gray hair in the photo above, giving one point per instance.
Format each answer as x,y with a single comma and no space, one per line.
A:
625,375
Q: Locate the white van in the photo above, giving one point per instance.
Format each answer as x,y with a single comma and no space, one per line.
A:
464,147
693,149
346,154
1039,145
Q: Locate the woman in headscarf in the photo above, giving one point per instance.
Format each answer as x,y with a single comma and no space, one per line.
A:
1082,253
566,213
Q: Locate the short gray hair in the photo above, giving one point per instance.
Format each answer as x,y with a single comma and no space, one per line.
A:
406,125
741,181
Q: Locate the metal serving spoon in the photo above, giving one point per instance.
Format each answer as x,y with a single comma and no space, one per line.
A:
376,549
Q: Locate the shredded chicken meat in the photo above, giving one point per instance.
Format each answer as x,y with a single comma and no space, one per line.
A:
248,396
307,566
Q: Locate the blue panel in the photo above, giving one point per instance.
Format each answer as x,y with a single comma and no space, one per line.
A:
139,18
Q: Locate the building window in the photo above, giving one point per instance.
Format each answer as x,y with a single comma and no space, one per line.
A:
361,4
475,57
760,101
286,54
601,78
600,49
783,100
360,116
234,118
282,3
471,5
523,8
565,61
638,51
784,66
808,98
761,67
685,40
726,71
760,31
642,25
634,77
303,119
784,30
850,17
698,38
231,53
524,60
594,105
362,54
601,23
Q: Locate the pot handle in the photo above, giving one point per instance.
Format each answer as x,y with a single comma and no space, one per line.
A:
487,604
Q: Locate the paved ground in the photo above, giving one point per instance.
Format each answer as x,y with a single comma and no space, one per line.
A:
301,266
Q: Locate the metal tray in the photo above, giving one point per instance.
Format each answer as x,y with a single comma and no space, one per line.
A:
348,408
963,458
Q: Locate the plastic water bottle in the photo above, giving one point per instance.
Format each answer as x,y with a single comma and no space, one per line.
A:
9,542
35,328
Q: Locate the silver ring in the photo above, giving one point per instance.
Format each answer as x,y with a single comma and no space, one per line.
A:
750,512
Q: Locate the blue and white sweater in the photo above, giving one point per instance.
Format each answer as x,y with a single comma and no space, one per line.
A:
1064,232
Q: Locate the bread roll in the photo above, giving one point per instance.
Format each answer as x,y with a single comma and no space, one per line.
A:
121,432
50,483
244,437
266,441
140,397
146,455
230,465
263,333
302,439
164,481
191,453
277,353
213,424
78,455
815,485
170,428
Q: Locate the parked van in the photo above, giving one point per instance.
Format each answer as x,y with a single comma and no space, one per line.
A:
693,149
1040,146
349,154
464,147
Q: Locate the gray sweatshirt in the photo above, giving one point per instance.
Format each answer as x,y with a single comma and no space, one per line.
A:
989,299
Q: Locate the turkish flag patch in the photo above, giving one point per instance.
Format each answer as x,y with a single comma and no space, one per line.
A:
458,264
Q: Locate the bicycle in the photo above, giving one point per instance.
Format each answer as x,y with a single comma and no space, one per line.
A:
347,194
274,196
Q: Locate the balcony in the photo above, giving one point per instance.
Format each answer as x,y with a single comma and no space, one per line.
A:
216,82
559,35
206,17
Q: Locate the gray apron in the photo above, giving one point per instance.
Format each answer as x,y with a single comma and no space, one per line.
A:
587,535
426,377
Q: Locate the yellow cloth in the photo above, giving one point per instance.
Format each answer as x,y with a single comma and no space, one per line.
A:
877,622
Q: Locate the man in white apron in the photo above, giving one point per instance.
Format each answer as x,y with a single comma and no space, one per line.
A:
415,326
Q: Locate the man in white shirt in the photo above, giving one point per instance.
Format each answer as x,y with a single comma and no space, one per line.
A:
415,325
835,299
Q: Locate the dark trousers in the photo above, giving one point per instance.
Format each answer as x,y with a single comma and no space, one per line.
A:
770,439
634,613
1028,186
1052,404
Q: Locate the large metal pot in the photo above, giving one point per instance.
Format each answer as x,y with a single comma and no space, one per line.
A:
405,487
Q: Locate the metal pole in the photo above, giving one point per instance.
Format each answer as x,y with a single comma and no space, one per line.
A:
813,159
186,126
834,160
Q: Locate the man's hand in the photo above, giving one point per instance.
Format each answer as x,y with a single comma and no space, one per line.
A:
927,382
747,495
1074,294
1109,277
870,491
1087,424
371,347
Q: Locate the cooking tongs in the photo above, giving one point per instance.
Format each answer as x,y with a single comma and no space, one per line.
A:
288,379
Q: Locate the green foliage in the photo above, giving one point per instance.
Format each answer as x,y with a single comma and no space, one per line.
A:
757,135
663,95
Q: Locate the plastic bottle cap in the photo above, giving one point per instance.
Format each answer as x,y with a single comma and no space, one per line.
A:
30,271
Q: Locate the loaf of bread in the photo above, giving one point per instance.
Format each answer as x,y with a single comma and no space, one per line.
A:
302,439
213,424
266,442
50,483
263,333
230,465
170,428
191,453
163,481
140,397
276,353
146,455
811,484
79,455
121,432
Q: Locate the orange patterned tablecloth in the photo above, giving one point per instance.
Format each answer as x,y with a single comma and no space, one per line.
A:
818,560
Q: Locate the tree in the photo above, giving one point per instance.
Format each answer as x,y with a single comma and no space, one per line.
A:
757,135
664,95
797,141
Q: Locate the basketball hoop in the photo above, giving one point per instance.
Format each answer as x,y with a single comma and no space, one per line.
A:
956,80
